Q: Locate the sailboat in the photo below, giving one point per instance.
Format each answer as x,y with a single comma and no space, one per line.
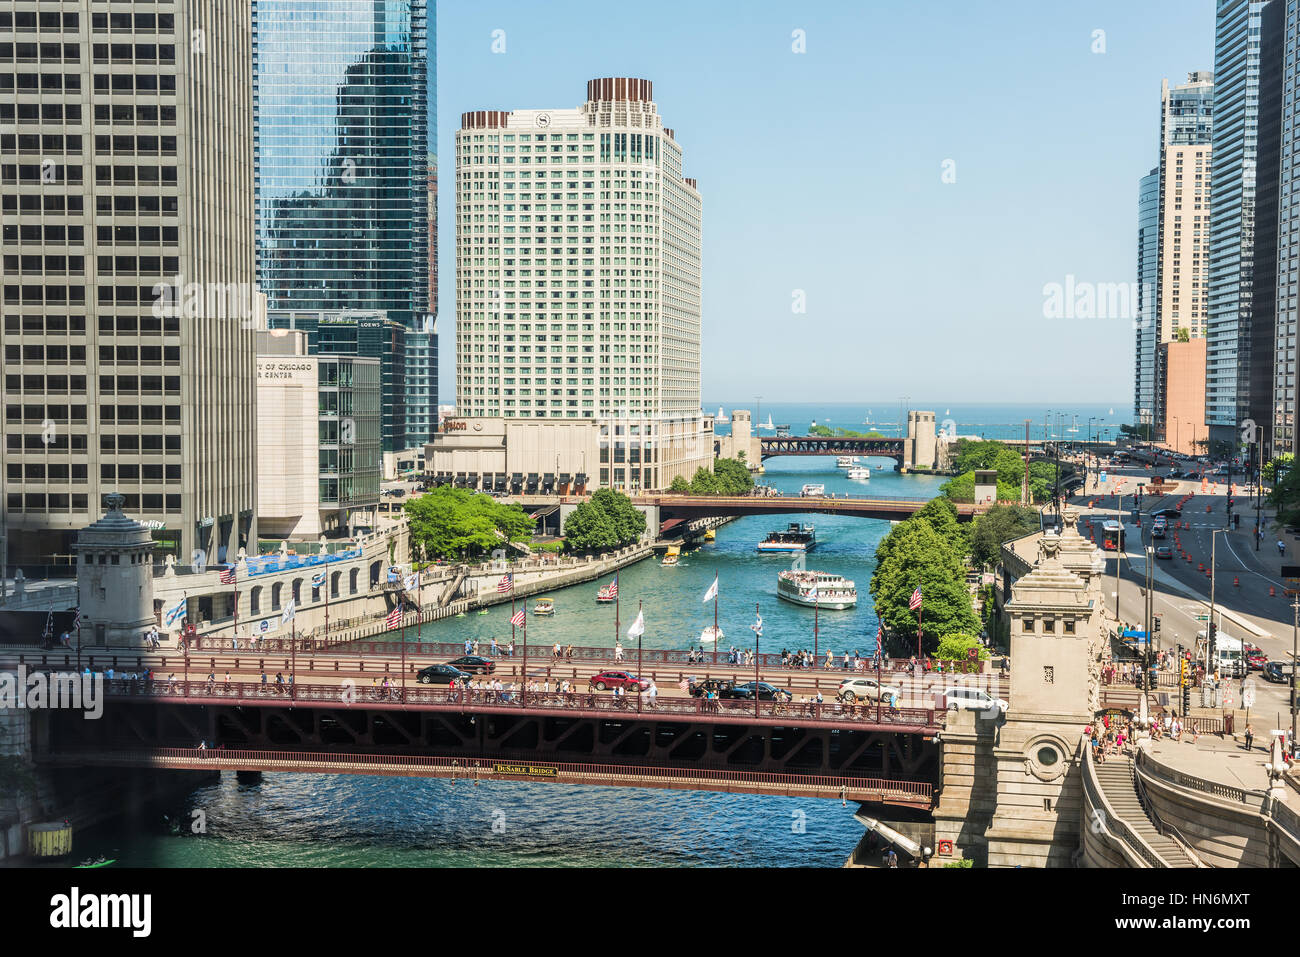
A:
769,424
720,418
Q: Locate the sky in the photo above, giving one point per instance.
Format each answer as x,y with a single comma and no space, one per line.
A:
916,177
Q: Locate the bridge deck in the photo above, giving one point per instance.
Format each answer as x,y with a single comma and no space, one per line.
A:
916,794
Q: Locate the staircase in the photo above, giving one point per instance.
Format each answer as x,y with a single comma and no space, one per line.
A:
1115,778
453,587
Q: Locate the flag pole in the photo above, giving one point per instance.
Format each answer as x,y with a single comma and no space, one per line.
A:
402,619
757,635
817,605
524,695
920,610
293,655
327,607
639,666
419,600
616,609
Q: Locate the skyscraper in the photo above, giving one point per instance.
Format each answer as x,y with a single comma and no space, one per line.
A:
1233,392
1144,399
126,194
1183,232
578,279
344,136
1280,136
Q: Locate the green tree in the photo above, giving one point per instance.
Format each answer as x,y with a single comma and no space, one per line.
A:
679,484
999,524
1270,468
957,646
607,520
914,555
704,482
458,523
733,476
941,515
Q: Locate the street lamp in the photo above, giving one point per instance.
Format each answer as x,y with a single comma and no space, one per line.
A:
1210,631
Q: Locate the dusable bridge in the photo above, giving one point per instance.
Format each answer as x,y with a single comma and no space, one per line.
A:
837,445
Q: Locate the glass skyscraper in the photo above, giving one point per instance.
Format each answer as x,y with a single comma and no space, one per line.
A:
1144,398
344,138
1233,394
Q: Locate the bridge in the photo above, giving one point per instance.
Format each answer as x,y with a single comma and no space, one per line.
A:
675,507
818,445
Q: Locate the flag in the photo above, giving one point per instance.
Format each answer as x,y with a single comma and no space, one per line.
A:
637,628
395,616
613,588
812,593
77,620
318,580
228,575
506,583
712,593
286,616
175,615
914,602
411,583
394,574
518,618
757,626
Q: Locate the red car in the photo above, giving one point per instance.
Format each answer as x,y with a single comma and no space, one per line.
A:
618,679
1255,657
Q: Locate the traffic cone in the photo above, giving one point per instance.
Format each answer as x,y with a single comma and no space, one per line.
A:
1235,581
1271,591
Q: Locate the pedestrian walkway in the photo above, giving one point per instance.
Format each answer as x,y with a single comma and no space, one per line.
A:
1115,777
1217,760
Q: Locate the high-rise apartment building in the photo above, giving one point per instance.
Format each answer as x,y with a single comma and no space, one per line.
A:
1280,136
1148,271
578,282
1183,232
1233,391
126,198
346,204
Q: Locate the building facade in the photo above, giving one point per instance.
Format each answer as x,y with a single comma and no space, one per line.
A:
318,432
1281,67
578,292
1144,397
1232,393
126,196
1181,370
346,188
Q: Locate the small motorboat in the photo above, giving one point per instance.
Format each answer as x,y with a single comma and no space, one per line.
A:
607,593
544,606
710,634
672,556
710,535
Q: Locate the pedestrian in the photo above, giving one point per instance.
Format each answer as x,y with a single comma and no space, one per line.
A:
1250,736
494,647
892,858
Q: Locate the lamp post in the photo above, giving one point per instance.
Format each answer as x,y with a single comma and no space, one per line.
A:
1210,631
1119,548
1295,647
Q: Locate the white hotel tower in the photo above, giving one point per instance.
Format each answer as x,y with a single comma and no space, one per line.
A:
578,278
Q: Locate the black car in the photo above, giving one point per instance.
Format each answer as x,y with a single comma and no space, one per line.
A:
1278,672
1175,512
441,675
474,664
766,692
716,685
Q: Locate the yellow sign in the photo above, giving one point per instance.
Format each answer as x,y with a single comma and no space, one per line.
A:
526,770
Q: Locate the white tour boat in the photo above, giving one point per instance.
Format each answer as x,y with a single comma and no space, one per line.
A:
859,472
822,589
813,488
795,538
710,634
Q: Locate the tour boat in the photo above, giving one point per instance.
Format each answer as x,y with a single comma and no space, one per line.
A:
710,634
816,588
795,538
607,594
813,488
672,555
846,461
859,472
544,606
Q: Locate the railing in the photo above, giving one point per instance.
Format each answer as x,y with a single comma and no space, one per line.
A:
912,792
1149,765
1162,828
348,693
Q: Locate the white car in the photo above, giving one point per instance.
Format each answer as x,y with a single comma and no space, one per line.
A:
853,689
973,699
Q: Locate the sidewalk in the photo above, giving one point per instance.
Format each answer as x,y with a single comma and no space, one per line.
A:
1215,759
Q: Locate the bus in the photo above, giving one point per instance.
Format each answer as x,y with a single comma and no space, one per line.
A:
1112,536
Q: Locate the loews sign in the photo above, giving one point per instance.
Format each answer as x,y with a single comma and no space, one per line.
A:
454,425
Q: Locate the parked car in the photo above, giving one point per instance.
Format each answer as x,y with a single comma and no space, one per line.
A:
617,679
1164,551
866,689
474,664
766,692
441,675
973,699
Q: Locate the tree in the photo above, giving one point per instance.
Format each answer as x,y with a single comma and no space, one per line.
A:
607,520
941,515
733,476
914,555
679,484
962,489
999,524
1269,469
957,646
458,523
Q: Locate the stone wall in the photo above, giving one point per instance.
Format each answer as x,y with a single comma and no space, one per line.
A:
969,794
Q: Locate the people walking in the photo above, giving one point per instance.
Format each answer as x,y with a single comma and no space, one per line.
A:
1250,736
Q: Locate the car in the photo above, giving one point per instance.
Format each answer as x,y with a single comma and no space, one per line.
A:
474,664
1164,551
766,692
617,679
1278,672
441,675
1175,512
698,689
1256,661
973,699
867,689
1159,529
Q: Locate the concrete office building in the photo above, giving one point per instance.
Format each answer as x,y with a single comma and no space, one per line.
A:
1234,389
318,418
1183,231
126,197
578,287
1181,394
346,186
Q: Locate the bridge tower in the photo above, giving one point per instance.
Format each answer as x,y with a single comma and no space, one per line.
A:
1055,622
115,578
920,447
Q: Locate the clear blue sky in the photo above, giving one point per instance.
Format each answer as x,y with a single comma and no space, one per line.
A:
822,172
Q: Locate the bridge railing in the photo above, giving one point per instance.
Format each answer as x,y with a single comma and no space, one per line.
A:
348,692
911,792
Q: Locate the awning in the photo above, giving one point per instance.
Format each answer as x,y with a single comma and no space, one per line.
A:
893,837
581,478
564,477
550,477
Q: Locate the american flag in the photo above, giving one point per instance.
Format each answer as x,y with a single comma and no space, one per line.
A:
228,575
914,602
518,618
612,588
506,583
395,617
